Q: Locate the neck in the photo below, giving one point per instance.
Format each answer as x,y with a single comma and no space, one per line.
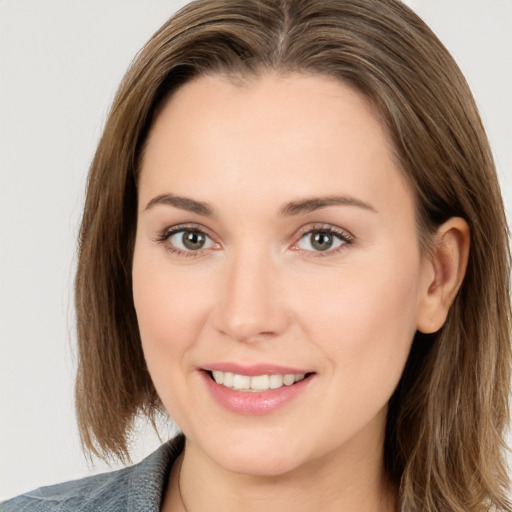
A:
198,485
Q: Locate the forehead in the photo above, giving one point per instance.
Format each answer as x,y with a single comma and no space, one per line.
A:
268,102
302,135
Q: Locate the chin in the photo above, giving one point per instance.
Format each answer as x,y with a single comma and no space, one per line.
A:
255,454
259,463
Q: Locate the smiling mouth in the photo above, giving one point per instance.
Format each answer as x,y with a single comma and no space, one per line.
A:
256,383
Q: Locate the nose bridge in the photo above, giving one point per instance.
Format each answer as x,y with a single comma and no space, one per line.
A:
251,305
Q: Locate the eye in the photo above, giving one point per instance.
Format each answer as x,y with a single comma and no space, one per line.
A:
323,240
190,240
186,241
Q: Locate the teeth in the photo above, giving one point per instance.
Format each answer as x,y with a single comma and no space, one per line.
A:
288,379
228,379
241,382
260,382
256,383
218,377
276,381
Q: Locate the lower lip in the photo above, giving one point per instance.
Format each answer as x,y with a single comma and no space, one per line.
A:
253,403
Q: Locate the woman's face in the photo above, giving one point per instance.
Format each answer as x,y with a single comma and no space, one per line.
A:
276,243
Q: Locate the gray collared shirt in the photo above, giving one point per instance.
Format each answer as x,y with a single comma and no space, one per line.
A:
137,488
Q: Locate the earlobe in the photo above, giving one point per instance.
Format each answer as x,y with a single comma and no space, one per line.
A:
443,273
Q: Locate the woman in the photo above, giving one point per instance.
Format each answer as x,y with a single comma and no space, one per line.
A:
285,246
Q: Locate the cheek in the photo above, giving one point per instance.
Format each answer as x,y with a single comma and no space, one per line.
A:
169,311
364,318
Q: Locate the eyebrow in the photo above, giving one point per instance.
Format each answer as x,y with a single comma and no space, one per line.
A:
183,203
294,208
316,203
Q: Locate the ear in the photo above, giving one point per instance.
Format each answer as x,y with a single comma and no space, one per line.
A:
443,273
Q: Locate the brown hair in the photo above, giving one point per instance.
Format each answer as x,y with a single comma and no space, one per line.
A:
446,421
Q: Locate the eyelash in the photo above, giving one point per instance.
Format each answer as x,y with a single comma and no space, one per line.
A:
345,237
164,237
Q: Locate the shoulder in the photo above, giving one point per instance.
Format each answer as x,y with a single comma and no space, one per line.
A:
137,488
108,490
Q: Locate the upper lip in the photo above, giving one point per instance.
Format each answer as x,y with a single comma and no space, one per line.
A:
255,369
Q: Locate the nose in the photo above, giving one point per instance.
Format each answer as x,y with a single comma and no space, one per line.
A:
251,304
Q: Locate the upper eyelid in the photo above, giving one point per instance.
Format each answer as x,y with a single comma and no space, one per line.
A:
185,227
325,227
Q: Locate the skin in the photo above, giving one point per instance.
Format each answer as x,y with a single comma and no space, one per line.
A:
259,292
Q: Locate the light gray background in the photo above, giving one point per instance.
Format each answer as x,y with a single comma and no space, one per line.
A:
60,63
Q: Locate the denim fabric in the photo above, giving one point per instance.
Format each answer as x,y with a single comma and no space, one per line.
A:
138,488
